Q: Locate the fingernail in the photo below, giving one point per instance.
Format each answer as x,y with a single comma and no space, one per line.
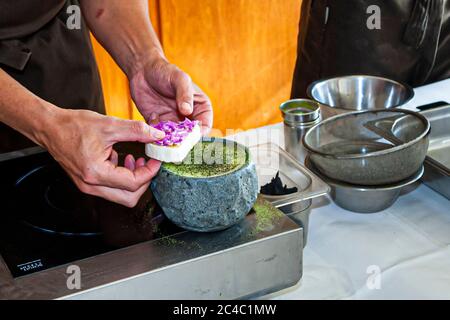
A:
186,107
159,134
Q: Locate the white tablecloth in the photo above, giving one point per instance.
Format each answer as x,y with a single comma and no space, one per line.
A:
400,253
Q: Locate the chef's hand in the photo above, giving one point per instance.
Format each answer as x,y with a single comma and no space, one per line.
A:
161,90
82,142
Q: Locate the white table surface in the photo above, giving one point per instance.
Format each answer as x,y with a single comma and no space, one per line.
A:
408,243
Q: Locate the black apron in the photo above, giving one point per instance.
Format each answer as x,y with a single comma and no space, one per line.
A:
52,61
412,46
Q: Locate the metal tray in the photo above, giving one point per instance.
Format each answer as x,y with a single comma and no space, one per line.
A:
260,255
270,159
437,163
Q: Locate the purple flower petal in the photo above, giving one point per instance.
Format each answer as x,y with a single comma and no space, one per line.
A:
175,132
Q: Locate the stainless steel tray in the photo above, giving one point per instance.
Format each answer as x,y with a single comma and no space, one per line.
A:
260,255
437,163
270,159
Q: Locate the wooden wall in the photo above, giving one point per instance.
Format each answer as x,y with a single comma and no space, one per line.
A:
241,52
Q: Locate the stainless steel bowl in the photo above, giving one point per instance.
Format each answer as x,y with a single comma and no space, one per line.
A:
358,92
365,199
349,147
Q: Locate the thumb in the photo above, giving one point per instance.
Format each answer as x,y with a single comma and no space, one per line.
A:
184,92
132,130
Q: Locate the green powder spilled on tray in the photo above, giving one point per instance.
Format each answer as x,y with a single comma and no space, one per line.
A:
266,215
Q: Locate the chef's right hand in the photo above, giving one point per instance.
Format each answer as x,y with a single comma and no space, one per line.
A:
82,142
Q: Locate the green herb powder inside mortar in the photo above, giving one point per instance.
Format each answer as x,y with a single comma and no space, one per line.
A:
208,159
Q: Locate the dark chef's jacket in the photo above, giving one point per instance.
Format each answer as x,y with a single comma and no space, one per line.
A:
412,45
44,55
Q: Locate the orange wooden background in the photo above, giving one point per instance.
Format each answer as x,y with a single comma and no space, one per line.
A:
240,52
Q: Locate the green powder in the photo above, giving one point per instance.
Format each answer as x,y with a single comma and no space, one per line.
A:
266,215
208,159
169,241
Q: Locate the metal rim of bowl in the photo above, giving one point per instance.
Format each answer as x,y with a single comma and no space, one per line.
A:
306,117
248,160
408,88
338,184
425,133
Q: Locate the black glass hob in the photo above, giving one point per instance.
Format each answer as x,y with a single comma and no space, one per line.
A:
46,221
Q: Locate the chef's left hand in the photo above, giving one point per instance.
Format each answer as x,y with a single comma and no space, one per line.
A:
161,90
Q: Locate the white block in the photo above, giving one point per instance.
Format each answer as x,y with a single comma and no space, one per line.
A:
175,153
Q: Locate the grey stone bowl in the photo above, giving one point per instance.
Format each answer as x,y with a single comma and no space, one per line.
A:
206,204
353,147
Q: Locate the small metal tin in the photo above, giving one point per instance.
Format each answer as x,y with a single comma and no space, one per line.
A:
298,115
300,111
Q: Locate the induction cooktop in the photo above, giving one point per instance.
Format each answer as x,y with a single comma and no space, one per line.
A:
47,221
